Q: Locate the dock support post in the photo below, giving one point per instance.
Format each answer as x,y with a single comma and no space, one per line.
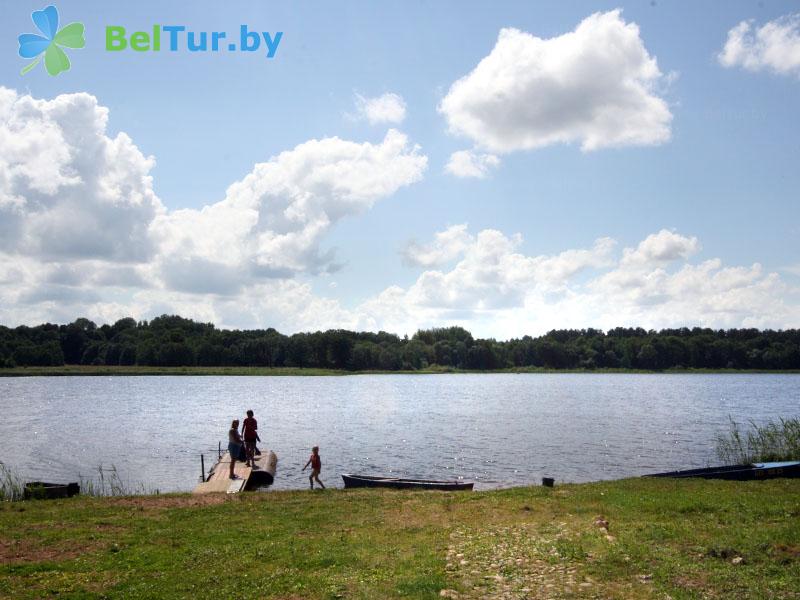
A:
219,450
202,468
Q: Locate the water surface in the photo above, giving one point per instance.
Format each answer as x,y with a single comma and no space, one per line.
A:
497,429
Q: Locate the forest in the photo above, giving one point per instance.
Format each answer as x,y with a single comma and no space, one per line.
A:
171,341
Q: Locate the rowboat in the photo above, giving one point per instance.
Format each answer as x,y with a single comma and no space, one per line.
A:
749,472
399,483
47,491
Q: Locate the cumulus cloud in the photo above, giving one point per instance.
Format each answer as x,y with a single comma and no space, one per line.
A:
67,190
82,232
775,46
496,290
466,163
661,248
446,246
388,108
272,222
596,85
288,305
493,274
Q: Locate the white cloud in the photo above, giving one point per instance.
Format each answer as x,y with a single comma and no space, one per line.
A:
494,290
596,85
285,304
466,163
67,190
661,248
446,246
82,232
272,222
388,108
497,291
774,46
494,274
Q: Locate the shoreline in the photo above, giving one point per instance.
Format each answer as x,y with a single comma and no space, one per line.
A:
111,371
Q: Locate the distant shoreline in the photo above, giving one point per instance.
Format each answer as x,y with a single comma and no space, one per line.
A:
110,371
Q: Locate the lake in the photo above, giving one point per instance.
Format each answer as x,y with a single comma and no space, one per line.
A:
497,429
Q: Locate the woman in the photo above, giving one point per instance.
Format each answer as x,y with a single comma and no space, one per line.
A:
234,444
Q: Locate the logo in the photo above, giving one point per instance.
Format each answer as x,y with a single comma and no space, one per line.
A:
32,45
179,37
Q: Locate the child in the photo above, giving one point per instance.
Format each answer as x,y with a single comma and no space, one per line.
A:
250,434
316,466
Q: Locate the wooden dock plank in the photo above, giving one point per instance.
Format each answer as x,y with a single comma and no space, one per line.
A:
218,480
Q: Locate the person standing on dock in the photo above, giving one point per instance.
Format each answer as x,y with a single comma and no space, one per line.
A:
316,466
234,445
250,433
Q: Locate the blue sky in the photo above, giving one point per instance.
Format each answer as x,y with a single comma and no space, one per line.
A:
721,185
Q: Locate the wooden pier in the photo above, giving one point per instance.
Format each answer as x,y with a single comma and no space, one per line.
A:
218,480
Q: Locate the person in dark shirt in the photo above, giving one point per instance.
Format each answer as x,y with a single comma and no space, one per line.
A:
316,466
250,434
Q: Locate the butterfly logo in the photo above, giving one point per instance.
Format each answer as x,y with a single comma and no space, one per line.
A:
32,45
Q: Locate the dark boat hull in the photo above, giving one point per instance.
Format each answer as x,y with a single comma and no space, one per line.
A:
752,472
48,491
398,483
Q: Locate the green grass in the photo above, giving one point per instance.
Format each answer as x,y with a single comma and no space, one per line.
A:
676,538
104,370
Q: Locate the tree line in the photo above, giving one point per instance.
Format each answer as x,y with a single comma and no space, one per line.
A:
172,341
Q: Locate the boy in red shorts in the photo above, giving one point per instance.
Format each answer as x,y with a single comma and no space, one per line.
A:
316,466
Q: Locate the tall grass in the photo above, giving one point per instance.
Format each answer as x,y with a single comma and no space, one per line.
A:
106,483
109,483
11,486
775,441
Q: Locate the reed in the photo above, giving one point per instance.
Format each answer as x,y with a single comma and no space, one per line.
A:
774,441
109,483
11,486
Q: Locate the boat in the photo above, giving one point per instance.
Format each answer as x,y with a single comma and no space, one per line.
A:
400,483
46,491
748,472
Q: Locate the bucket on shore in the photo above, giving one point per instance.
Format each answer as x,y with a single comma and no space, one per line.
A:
548,481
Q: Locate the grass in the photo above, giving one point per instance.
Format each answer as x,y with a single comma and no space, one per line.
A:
774,441
636,538
105,370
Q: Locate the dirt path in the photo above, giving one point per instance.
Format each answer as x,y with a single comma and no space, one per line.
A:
518,562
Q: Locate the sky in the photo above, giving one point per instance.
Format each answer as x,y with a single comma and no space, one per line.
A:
510,167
